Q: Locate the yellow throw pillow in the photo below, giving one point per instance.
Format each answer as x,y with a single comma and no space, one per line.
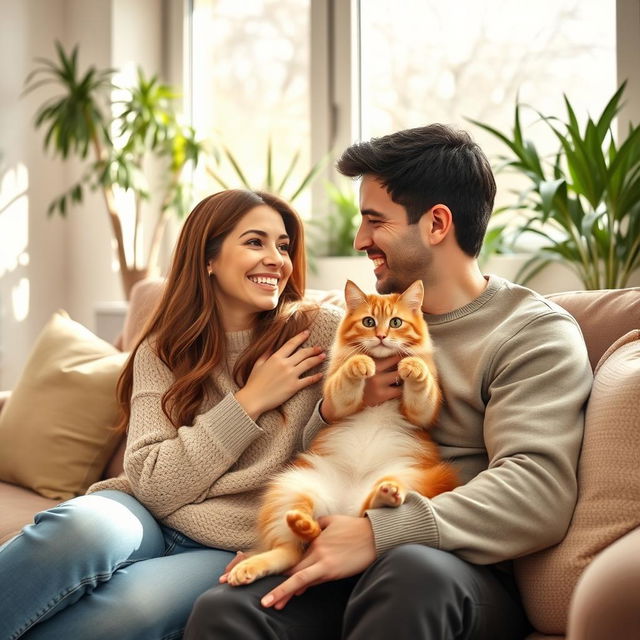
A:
57,428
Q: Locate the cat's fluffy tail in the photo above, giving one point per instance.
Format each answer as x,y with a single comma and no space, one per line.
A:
438,479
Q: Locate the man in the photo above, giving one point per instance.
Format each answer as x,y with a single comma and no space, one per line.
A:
515,377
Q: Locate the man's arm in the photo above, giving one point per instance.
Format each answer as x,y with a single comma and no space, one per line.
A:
536,388
522,502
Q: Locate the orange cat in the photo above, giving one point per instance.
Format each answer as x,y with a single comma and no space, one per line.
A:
372,456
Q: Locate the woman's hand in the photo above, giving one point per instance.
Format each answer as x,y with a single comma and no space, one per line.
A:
276,377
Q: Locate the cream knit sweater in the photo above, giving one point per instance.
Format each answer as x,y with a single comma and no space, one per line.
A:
204,480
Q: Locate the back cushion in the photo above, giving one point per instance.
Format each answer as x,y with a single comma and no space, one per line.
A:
603,315
145,296
608,489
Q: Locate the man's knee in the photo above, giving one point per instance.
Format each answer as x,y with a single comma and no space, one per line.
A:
413,566
230,611
205,605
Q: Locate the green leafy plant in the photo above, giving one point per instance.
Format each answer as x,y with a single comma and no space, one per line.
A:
493,243
334,232
115,140
584,203
278,186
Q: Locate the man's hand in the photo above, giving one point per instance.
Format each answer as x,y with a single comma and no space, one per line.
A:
343,549
383,386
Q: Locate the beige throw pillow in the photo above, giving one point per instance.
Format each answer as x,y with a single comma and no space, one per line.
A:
608,489
57,429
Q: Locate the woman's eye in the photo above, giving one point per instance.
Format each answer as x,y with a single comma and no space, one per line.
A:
285,248
255,242
394,323
369,321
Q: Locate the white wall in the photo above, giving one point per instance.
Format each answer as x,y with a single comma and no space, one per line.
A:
90,275
118,34
70,262
32,278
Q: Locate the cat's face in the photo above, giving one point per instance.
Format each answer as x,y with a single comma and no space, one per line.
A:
384,325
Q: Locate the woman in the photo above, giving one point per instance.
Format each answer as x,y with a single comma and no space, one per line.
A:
216,396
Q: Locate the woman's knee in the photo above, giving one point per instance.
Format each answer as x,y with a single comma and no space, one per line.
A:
90,523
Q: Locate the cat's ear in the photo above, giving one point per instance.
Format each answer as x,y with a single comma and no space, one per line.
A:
353,295
413,296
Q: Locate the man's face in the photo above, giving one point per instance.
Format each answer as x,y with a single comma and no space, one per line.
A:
399,255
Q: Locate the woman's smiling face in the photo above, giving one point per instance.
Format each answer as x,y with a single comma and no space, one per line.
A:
252,268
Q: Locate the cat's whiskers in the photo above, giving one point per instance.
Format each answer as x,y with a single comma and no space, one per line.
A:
406,350
356,349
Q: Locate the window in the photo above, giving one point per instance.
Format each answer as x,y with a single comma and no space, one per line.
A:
314,75
427,61
250,87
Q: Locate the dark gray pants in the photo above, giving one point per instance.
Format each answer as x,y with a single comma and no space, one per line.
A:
410,593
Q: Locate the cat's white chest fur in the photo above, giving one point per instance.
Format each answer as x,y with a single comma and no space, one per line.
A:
373,443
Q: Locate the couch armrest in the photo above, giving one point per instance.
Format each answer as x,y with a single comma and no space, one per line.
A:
4,396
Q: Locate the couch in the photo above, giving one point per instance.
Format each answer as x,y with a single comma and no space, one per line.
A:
606,521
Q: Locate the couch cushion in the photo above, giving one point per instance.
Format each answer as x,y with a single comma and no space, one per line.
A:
18,506
56,429
145,296
603,315
608,488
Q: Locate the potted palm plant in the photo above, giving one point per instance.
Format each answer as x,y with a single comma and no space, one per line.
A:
583,203
114,140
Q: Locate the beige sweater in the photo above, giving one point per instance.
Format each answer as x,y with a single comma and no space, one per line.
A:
515,376
204,480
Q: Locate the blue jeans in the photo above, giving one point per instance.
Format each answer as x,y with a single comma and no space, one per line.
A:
101,567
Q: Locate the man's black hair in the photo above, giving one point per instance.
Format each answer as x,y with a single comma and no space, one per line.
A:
431,165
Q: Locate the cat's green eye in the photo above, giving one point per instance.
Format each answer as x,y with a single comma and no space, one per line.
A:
368,321
394,323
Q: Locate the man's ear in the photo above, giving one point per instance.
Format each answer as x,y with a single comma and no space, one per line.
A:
436,224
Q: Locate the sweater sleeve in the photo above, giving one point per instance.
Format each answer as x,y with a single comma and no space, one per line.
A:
168,467
535,390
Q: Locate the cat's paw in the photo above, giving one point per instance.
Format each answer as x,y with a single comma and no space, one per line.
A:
302,524
388,493
413,369
247,571
360,367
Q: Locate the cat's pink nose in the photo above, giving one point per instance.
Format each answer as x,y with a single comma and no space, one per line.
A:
381,337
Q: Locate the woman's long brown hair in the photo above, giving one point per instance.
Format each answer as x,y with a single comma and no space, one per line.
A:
187,330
